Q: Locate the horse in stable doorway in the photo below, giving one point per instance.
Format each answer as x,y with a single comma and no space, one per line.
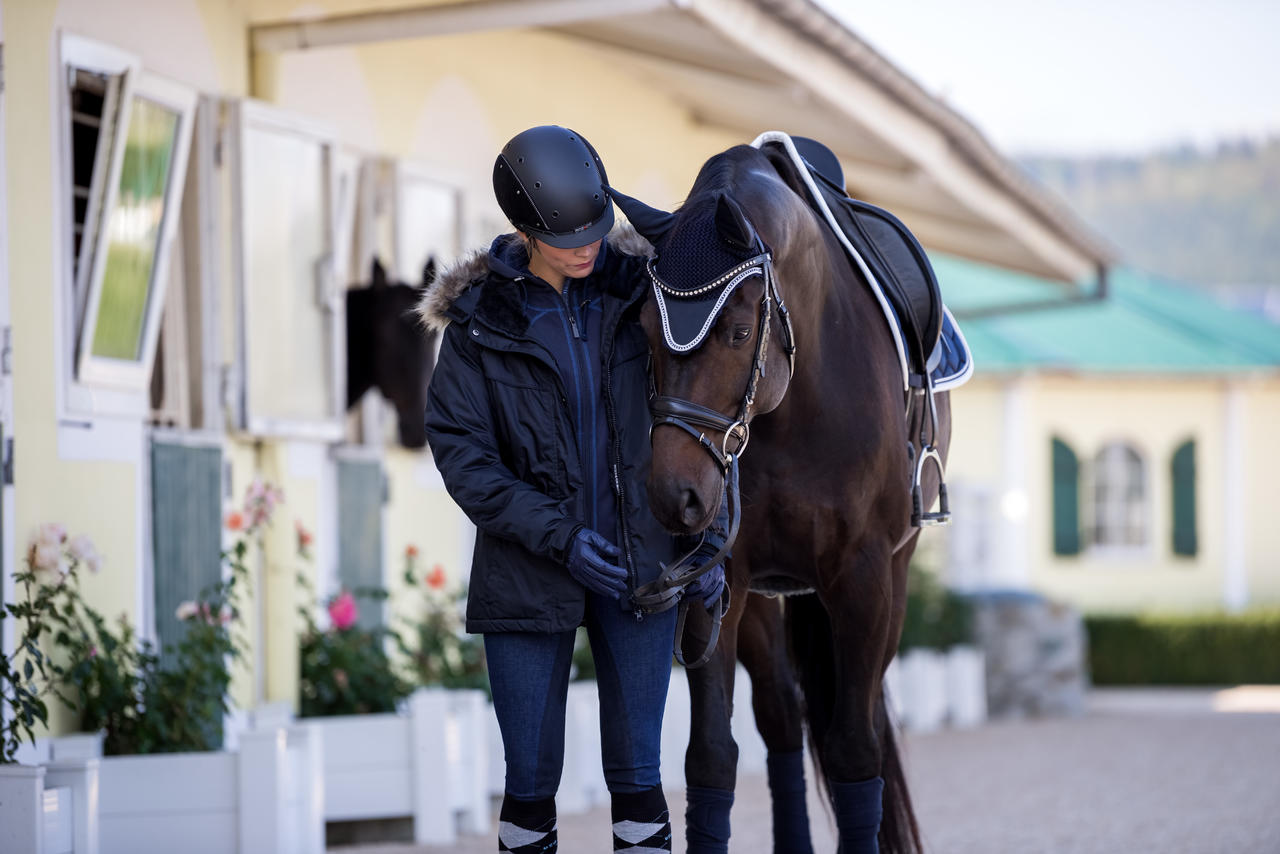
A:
388,349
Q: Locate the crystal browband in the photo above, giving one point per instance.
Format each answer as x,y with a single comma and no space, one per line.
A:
718,282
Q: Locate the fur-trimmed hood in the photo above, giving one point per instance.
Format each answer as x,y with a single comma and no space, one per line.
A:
473,267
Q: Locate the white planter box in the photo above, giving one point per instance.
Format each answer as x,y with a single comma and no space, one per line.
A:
22,808
430,762
924,690
966,686
263,797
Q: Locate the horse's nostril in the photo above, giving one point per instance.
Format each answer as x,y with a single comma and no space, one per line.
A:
691,510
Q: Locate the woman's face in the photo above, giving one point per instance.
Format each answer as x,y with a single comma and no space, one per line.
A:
554,265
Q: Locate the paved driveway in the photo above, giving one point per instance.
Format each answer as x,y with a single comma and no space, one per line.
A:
1175,772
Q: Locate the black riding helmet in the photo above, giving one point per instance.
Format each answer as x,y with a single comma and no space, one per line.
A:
550,183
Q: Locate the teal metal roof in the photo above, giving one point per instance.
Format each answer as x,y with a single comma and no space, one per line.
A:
1144,325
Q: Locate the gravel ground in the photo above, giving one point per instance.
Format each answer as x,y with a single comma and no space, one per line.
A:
1175,772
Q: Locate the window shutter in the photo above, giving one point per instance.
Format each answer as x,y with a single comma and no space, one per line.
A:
1184,499
360,535
1066,499
186,514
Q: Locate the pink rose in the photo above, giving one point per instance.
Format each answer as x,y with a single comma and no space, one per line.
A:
342,611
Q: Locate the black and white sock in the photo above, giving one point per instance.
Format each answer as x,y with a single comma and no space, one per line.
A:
527,827
641,823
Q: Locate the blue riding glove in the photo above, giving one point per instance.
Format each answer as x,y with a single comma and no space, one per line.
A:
710,584
593,562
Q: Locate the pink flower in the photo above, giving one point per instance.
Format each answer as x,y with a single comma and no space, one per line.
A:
342,611
235,521
81,549
260,502
340,679
186,610
305,537
93,652
436,577
410,551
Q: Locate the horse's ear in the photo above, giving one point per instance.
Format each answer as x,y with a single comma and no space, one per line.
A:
378,275
732,225
653,224
428,272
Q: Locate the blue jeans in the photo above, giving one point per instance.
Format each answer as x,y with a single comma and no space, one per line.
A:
529,674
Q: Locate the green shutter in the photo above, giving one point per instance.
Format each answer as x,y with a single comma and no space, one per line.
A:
186,528
1066,499
360,488
1184,499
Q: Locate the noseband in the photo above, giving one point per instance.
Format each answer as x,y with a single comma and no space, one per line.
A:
694,419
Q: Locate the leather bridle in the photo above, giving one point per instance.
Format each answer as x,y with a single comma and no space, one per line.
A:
694,419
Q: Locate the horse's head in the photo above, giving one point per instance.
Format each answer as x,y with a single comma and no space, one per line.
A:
387,350
718,329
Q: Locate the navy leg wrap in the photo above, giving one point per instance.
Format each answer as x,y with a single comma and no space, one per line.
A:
706,820
790,817
858,810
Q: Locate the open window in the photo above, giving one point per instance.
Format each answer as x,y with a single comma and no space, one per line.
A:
128,134
291,309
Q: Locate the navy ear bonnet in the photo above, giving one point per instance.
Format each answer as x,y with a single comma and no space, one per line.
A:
703,254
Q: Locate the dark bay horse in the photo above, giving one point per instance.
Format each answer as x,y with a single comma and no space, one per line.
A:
825,490
387,349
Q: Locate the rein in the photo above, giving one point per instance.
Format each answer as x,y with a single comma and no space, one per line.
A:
667,589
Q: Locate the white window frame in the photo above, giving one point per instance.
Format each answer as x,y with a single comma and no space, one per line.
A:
1118,551
329,427
98,385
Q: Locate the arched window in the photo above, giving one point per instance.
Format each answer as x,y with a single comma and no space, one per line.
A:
1119,492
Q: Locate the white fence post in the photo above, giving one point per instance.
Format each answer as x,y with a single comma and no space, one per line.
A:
924,689
21,808
966,686
81,777
582,782
472,766
306,749
261,776
428,727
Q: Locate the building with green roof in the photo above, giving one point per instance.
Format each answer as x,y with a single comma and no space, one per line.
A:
1113,448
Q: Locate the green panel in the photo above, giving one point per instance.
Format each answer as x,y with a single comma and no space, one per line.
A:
360,490
186,528
1066,500
1185,541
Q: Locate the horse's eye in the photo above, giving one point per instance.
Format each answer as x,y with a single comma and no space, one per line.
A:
741,333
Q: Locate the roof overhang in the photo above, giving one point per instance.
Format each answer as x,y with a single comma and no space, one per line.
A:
755,65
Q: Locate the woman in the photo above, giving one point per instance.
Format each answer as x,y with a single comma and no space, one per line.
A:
537,416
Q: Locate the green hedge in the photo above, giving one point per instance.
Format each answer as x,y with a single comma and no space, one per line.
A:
1204,649
936,618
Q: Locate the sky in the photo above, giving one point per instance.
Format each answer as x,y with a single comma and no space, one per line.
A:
1088,76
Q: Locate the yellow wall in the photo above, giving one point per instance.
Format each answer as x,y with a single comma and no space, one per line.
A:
1261,458
200,44
1155,415
453,102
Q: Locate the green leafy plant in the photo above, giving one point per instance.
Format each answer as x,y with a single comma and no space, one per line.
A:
142,701
442,653
936,617
27,675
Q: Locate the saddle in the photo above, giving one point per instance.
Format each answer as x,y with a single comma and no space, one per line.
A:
932,352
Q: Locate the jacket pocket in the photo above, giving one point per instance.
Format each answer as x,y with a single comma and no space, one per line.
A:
530,434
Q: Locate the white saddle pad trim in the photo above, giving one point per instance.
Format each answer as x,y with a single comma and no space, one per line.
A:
956,380
889,316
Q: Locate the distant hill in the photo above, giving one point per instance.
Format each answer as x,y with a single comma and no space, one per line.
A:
1204,217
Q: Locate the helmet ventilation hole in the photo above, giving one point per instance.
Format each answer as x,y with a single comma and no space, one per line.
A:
596,197
537,185
555,213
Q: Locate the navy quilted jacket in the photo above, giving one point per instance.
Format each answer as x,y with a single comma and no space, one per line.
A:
538,419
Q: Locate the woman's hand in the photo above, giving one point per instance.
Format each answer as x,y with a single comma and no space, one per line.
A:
593,563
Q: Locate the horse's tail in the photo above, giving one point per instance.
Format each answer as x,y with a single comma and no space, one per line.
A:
813,654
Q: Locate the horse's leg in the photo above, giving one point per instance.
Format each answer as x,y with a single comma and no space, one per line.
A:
762,649
861,593
711,762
